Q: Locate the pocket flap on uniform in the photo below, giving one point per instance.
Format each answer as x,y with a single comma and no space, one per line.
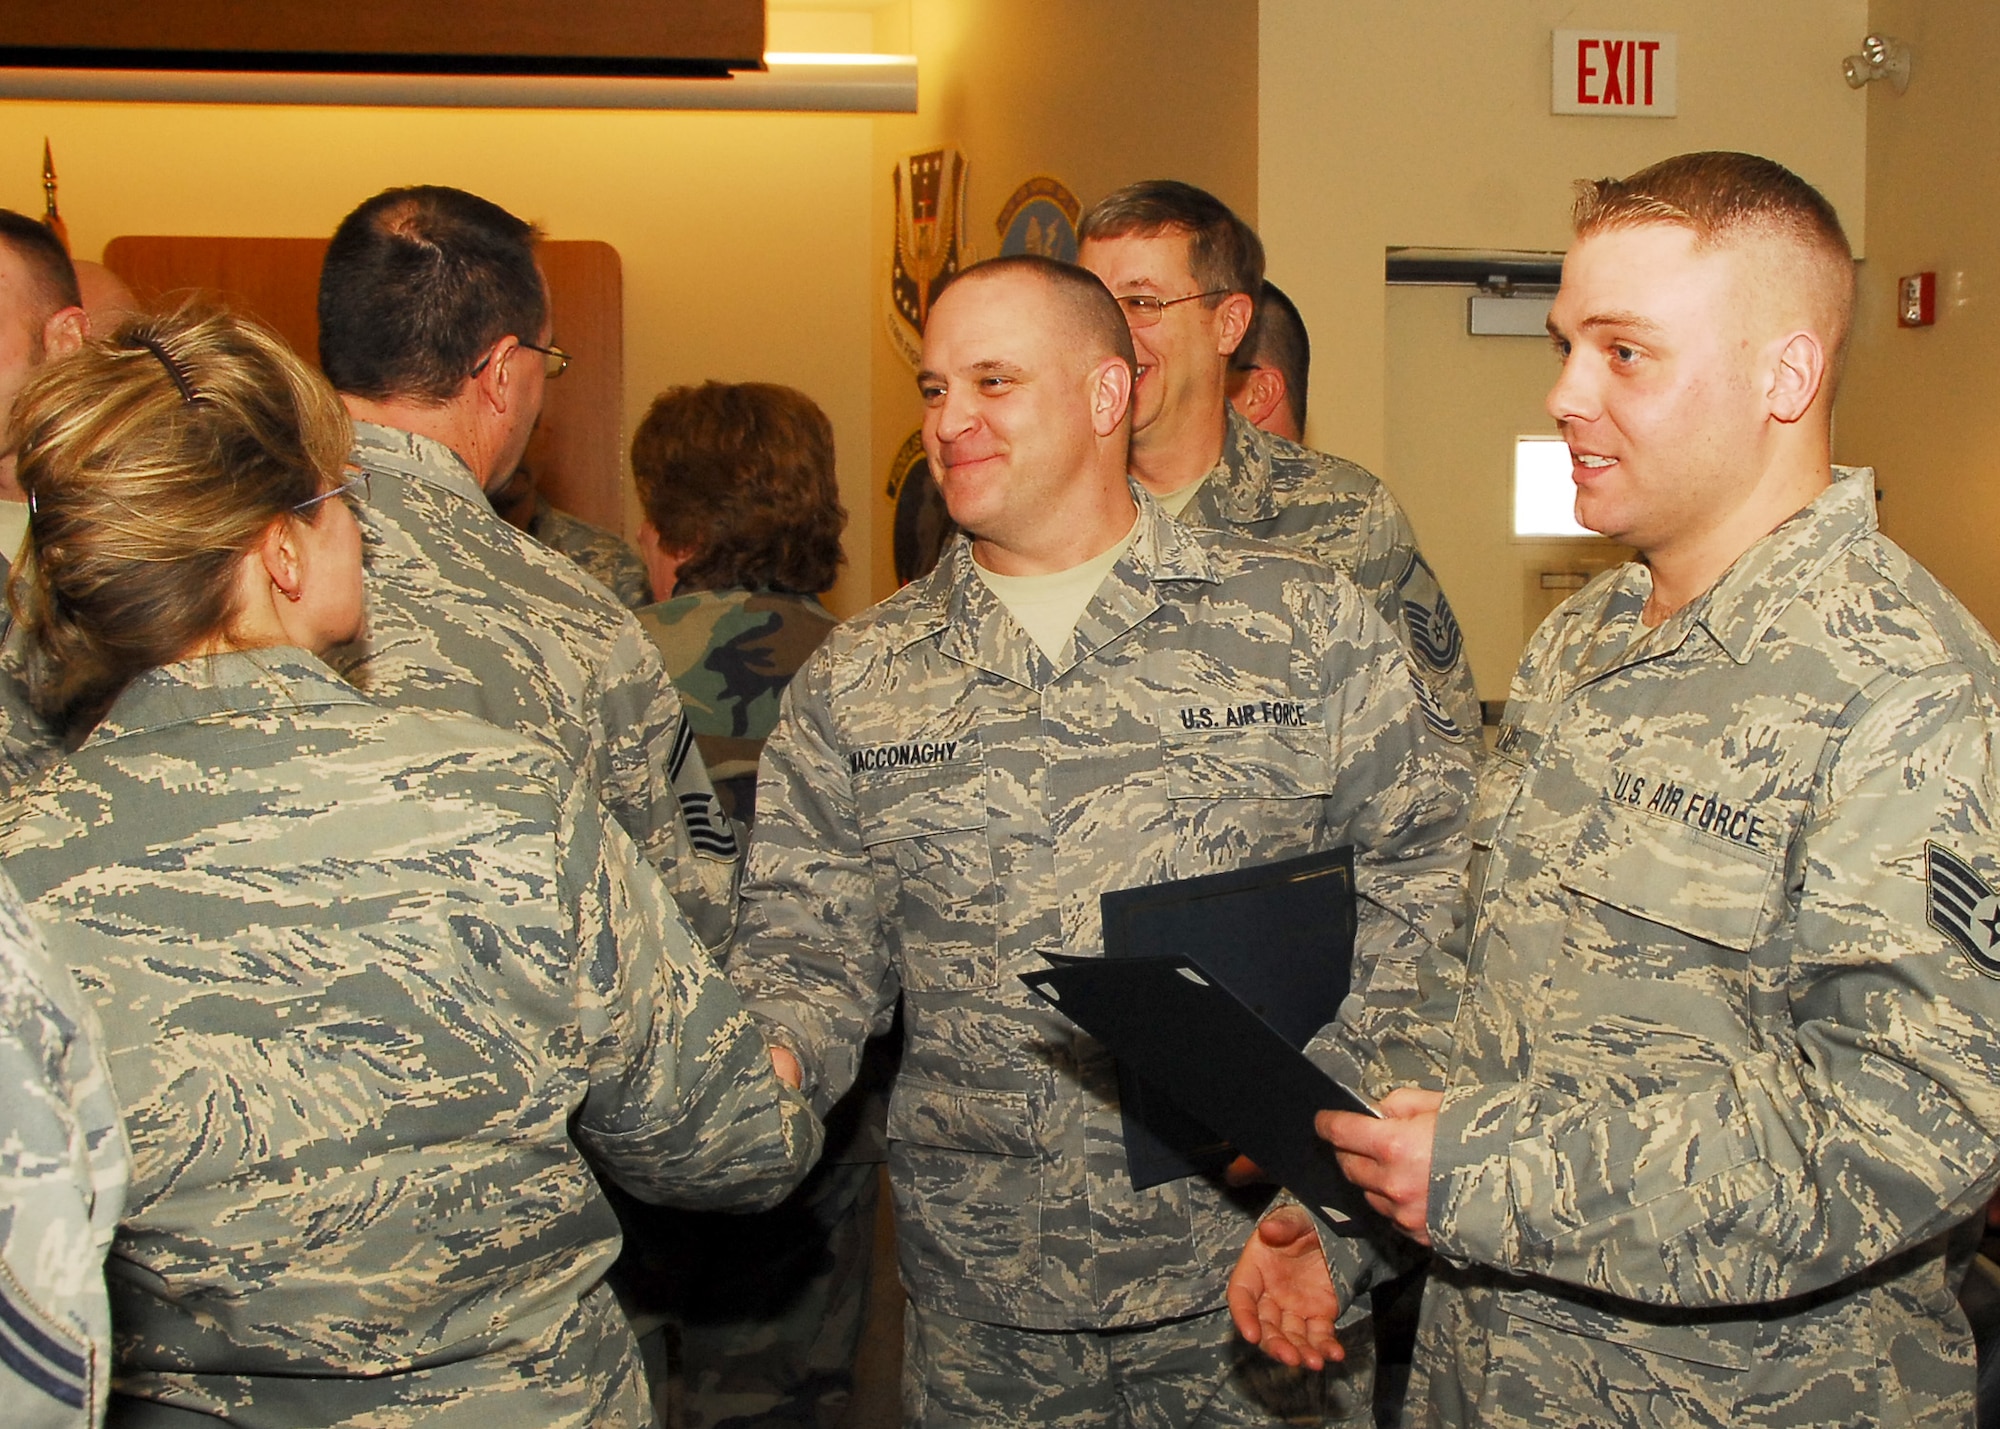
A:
1253,763
919,803
1002,1123
1673,874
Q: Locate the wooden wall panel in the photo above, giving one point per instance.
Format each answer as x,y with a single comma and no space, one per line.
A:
578,451
275,280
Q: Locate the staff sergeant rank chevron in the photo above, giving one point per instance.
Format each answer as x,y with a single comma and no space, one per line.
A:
1963,907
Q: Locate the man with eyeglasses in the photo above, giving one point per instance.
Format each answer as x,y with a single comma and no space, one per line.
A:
434,326
1187,270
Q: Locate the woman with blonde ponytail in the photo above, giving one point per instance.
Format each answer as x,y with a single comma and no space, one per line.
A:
380,990
154,464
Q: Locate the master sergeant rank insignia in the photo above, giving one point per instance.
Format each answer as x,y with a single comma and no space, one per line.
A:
1963,906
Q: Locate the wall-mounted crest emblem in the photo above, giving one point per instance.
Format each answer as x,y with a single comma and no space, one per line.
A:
923,527
1040,217
931,243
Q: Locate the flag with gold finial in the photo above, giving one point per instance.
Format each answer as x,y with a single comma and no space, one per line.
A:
51,219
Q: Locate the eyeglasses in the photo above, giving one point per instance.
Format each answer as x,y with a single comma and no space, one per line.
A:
555,361
1143,309
354,489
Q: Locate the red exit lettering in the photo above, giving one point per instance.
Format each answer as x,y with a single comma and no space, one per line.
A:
1627,71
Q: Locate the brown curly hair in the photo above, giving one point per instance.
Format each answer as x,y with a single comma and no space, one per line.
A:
741,474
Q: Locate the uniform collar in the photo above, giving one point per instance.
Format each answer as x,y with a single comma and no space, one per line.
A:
239,682
958,608
1752,593
418,458
1238,488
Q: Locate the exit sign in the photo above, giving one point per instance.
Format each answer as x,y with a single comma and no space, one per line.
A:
1622,73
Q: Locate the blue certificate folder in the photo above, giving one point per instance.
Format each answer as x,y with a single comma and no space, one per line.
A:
1280,936
1197,1043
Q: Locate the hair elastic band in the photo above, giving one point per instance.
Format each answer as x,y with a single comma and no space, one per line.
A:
174,369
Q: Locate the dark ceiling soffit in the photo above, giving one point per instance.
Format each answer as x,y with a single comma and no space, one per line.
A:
1494,271
305,62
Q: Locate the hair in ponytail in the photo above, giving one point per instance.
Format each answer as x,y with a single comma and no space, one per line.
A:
154,460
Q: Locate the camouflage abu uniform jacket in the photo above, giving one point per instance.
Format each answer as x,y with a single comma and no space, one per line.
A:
940,806
1724,1088
1342,516
63,1168
603,557
468,615
730,654
362,975
28,744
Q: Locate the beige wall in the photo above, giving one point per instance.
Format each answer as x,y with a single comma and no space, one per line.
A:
1456,477
1097,93
1426,123
745,239
1920,404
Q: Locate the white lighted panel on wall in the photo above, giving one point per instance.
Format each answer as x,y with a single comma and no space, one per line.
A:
1544,494
1626,74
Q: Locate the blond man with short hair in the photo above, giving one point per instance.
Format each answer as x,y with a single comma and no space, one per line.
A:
1708,1135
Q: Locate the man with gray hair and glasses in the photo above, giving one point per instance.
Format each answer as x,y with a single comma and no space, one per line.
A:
1188,272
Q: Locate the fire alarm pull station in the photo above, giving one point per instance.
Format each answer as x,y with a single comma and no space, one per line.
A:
1916,300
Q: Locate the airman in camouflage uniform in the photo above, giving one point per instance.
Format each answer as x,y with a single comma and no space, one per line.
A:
63,1168
730,654
750,1322
1230,706
41,317
1725,1086
941,807
434,326
363,975
1271,370
770,1341
604,557
467,614
1189,272
1721,1096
